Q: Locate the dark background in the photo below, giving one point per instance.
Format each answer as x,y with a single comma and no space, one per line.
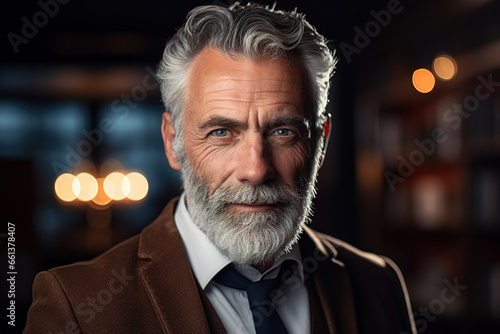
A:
441,224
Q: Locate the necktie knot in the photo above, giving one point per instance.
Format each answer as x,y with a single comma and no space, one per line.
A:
266,319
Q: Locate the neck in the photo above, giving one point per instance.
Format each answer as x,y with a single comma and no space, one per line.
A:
263,266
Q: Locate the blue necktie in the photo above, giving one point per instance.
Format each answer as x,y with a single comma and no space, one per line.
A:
266,319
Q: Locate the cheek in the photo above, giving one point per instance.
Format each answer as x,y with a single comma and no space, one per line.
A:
209,162
291,163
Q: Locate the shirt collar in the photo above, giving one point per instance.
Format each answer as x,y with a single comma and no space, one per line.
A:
206,260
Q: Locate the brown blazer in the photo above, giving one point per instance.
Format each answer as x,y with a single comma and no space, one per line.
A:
145,285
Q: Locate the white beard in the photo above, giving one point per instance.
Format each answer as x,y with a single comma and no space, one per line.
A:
249,238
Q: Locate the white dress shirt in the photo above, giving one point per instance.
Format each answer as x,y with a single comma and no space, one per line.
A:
231,304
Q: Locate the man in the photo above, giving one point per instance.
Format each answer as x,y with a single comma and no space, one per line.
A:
245,89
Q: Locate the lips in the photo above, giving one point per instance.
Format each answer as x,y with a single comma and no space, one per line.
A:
254,204
255,207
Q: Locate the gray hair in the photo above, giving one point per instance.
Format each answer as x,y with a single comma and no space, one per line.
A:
250,31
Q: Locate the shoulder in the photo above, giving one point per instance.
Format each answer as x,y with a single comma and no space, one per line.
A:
123,255
350,256
71,297
112,271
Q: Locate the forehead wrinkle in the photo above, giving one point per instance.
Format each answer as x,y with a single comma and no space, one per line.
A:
239,91
281,114
282,106
222,108
227,78
247,101
248,95
239,84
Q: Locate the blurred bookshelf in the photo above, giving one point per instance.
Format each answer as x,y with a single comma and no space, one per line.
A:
428,177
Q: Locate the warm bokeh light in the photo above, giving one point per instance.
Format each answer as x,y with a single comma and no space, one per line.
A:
138,186
116,186
445,67
88,186
67,187
423,80
101,198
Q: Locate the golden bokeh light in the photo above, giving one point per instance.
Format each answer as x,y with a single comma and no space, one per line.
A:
88,186
138,186
445,67
67,187
101,198
116,186
101,191
423,80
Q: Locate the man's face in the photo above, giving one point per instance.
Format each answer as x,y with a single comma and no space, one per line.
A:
248,171
245,123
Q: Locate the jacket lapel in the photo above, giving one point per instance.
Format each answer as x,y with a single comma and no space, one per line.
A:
167,277
330,281
214,322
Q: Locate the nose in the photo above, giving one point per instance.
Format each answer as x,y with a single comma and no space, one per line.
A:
254,161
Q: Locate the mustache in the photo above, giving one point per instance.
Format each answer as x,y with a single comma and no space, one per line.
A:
265,194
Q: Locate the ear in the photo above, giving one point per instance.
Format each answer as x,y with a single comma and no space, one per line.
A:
168,134
327,129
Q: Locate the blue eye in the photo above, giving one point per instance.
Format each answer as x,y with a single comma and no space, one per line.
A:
220,132
283,132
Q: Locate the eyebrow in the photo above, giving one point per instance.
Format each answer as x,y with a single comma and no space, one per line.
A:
218,121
